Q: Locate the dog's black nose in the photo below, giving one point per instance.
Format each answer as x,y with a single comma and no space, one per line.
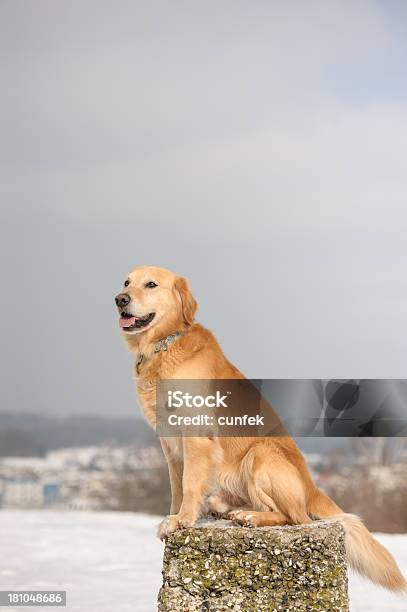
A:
122,299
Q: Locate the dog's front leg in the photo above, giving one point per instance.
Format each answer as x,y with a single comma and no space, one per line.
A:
199,463
175,469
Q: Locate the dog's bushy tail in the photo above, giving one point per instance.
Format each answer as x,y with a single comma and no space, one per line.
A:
364,553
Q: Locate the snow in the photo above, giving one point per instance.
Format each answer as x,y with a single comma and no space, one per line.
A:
112,561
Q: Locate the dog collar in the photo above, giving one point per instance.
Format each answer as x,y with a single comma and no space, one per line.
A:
161,345
164,343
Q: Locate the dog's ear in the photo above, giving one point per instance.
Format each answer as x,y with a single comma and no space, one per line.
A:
189,304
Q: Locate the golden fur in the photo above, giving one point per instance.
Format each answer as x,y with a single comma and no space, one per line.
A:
254,481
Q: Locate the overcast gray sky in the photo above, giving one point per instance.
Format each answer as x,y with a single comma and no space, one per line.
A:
258,148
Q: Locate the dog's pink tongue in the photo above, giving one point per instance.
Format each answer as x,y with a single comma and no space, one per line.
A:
127,322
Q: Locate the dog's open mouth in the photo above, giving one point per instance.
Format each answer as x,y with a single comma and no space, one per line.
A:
127,322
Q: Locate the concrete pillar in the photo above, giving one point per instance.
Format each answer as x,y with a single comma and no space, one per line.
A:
218,567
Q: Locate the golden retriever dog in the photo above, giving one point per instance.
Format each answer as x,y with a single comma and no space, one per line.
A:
254,481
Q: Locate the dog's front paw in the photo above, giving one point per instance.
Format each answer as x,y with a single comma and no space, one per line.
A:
171,523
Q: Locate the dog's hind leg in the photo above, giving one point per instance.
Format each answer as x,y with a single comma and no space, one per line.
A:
251,518
275,487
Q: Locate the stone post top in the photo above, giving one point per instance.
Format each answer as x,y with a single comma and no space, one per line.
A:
217,531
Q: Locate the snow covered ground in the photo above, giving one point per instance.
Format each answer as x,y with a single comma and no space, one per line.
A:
112,561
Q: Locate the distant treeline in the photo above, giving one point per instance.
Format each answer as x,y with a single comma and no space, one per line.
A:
27,435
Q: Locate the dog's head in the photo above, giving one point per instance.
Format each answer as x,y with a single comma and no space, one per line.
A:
155,298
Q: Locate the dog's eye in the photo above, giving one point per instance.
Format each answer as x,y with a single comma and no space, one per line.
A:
151,285
126,283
